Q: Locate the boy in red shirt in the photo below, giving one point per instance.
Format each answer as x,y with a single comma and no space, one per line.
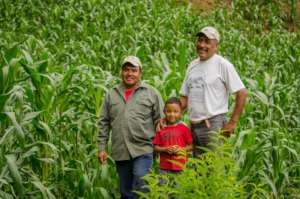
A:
173,140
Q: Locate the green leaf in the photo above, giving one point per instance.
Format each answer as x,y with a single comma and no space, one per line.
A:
11,53
270,183
41,187
34,75
5,195
84,185
262,97
20,132
27,57
42,66
104,172
46,129
104,193
31,115
15,174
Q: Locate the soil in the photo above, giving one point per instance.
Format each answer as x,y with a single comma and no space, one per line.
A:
209,5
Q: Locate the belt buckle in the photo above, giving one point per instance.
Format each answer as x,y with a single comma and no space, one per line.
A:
207,123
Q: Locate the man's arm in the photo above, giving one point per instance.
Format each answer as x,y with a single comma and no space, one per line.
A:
158,108
183,100
104,128
240,101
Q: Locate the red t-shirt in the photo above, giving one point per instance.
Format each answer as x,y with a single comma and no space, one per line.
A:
128,92
173,135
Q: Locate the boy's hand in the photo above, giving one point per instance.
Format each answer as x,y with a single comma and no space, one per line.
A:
176,149
179,150
170,150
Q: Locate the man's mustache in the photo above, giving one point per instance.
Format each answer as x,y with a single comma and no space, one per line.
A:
204,49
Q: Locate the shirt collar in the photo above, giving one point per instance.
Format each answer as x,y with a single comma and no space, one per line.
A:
122,88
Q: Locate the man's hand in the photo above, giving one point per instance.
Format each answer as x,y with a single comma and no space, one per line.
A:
160,124
240,101
102,156
228,128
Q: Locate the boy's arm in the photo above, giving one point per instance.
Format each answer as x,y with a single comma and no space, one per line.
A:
183,100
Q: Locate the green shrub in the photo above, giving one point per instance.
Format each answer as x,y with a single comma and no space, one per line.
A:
213,175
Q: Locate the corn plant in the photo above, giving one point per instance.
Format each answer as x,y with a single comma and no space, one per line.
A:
58,59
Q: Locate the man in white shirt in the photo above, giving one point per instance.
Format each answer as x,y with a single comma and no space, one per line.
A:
205,90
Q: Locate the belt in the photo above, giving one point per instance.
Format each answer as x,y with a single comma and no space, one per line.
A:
206,121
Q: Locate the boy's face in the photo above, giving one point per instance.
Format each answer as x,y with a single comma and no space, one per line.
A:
172,113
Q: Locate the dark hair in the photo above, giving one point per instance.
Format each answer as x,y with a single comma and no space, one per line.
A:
173,100
131,65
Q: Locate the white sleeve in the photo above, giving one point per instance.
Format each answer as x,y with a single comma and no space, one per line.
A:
232,80
184,87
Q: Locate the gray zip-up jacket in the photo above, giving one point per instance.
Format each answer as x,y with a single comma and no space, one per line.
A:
132,123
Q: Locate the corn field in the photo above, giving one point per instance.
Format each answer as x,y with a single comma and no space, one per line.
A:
58,58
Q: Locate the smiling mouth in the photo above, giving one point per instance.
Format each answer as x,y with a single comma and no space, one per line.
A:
203,50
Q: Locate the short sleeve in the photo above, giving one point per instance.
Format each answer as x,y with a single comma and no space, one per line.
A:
187,135
184,87
232,79
156,140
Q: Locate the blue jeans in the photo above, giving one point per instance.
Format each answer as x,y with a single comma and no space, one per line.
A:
164,171
131,172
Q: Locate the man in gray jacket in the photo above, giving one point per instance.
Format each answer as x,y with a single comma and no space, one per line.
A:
130,111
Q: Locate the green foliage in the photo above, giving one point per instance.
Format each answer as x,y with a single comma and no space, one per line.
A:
58,58
213,175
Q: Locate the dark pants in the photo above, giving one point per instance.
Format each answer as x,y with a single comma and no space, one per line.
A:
167,172
131,172
207,137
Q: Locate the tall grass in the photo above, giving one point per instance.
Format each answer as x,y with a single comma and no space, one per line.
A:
57,60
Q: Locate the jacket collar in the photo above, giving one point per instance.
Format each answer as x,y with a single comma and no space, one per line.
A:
120,87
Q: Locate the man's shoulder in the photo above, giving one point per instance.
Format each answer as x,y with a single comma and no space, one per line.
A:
193,63
149,87
146,85
222,60
114,88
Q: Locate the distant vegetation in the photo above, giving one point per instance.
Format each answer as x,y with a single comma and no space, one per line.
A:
58,58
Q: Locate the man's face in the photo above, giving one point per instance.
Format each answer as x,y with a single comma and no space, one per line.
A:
131,75
206,47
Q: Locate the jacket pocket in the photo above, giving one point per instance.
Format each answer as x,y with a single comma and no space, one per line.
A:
144,109
114,109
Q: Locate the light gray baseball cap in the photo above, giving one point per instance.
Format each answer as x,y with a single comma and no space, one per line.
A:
210,32
135,61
